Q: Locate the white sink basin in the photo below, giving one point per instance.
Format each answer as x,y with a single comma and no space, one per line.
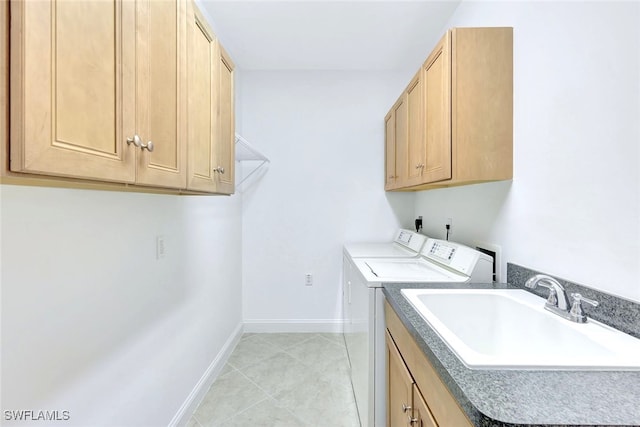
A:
510,329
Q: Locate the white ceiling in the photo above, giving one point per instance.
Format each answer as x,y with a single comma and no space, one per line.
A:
328,35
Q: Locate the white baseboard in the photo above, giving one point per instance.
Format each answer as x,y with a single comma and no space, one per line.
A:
189,406
293,325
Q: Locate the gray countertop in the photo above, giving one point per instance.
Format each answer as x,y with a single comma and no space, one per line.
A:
500,398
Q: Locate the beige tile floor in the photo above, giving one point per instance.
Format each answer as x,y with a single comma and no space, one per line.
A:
282,380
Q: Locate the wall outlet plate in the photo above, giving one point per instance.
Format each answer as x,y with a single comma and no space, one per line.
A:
160,247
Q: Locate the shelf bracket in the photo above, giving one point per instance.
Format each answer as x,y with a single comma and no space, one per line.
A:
246,152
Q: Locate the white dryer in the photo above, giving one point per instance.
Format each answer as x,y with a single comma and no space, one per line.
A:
439,261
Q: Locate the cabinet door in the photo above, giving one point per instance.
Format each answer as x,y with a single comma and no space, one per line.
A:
416,150
437,113
422,416
401,126
72,88
399,387
203,102
390,150
161,92
225,152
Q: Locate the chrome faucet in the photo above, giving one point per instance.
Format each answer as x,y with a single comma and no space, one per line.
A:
557,302
557,296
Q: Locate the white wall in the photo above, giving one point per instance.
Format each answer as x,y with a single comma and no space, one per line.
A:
323,132
573,208
92,323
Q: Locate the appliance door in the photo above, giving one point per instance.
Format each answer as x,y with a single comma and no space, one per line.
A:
380,250
408,270
348,270
378,368
359,341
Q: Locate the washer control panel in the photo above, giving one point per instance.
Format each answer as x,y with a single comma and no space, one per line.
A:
443,251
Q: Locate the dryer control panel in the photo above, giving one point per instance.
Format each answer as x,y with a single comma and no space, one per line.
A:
460,258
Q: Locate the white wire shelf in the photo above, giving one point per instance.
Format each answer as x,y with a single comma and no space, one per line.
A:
246,152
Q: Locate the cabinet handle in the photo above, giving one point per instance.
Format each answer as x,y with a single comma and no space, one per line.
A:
219,169
405,408
411,420
135,141
138,143
148,146
419,165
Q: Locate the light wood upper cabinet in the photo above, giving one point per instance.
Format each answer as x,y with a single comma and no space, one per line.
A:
203,92
437,113
460,112
72,86
390,150
415,158
211,110
482,104
397,144
161,92
225,152
88,76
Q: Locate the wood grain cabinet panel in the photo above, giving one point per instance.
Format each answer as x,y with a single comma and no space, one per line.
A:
211,110
203,95
88,76
433,405
405,404
161,92
422,416
437,114
397,144
399,387
415,160
460,112
225,152
72,85
390,150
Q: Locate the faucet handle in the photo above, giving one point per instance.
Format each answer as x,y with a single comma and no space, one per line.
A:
579,298
552,299
576,314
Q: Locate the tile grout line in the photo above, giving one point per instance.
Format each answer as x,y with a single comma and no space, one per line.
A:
279,349
243,411
269,396
284,351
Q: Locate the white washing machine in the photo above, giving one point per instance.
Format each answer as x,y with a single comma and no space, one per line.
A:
406,245
439,261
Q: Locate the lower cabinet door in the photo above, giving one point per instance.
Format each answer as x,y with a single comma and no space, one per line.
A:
399,388
421,414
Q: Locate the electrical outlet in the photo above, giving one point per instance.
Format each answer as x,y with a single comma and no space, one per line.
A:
160,247
308,280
